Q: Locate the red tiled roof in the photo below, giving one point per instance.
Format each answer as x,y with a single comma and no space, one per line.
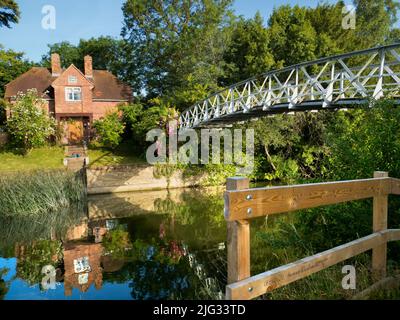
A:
35,78
106,85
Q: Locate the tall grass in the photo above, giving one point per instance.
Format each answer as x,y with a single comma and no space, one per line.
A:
37,193
39,205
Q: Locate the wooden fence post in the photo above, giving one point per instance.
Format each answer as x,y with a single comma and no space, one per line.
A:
238,239
379,253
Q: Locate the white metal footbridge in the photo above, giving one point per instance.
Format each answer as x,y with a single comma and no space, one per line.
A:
336,82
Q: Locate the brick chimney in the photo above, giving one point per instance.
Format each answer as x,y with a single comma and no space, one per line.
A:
88,67
55,65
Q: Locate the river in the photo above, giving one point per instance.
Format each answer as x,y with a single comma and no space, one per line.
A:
141,245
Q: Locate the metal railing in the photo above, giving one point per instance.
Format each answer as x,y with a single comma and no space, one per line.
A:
333,82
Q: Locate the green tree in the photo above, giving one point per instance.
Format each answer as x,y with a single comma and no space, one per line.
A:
365,140
30,125
293,38
68,52
249,53
12,65
108,54
139,120
109,130
175,41
375,19
9,13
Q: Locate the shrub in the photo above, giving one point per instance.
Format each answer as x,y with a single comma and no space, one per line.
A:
110,130
30,125
3,106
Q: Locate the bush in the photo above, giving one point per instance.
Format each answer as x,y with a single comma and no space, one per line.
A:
140,120
109,130
360,141
30,125
3,106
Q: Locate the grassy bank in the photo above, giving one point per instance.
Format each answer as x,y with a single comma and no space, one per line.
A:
100,157
41,158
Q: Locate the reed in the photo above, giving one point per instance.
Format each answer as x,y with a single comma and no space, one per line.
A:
41,192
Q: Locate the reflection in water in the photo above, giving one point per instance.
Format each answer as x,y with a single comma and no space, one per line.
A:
148,245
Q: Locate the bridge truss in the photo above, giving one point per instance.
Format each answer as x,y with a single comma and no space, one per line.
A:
329,83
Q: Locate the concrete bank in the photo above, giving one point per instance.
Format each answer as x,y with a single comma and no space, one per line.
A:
136,178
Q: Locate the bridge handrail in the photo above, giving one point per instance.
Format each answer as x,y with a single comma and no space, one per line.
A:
243,204
291,68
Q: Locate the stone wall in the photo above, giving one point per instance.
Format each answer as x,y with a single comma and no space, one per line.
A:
136,178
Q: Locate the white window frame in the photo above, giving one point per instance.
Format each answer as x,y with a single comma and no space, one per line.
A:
73,91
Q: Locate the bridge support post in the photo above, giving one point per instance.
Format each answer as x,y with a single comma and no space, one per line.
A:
238,239
380,212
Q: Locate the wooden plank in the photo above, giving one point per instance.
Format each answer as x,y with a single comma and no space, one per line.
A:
379,253
252,203
395,186
265,282
238,240
392,235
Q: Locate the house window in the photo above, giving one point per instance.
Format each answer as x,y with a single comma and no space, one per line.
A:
73,94
72,80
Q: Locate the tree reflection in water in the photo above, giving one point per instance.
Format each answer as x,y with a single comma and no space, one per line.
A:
175,251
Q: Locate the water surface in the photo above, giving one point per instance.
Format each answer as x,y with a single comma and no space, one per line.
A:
141,245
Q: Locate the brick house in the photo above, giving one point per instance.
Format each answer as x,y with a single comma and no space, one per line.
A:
73,97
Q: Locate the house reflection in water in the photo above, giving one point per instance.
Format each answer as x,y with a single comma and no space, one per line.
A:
83,260
91,273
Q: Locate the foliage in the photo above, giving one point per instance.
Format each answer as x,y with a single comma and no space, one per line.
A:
35,257
30,126
249,51
299,34
12,65
140,120
365,140
173,41
117,243
39,192
109,130
3,106
107,53
291,146
9,13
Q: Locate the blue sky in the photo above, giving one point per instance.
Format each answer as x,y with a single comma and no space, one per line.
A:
78,19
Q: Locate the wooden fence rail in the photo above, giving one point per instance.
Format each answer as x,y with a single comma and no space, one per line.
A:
243,204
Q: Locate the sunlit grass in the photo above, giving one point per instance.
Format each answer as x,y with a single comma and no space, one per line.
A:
41,158
100,157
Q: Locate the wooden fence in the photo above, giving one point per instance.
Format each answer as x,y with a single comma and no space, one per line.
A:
243,204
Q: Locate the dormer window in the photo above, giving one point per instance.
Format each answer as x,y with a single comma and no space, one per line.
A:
72,80
73,94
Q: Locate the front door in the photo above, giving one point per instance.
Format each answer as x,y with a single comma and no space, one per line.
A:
75,131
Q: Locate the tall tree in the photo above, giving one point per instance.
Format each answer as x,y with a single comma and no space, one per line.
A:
105,51
249,53
9,13
177,44
375,20
108,54
12,65
293,38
